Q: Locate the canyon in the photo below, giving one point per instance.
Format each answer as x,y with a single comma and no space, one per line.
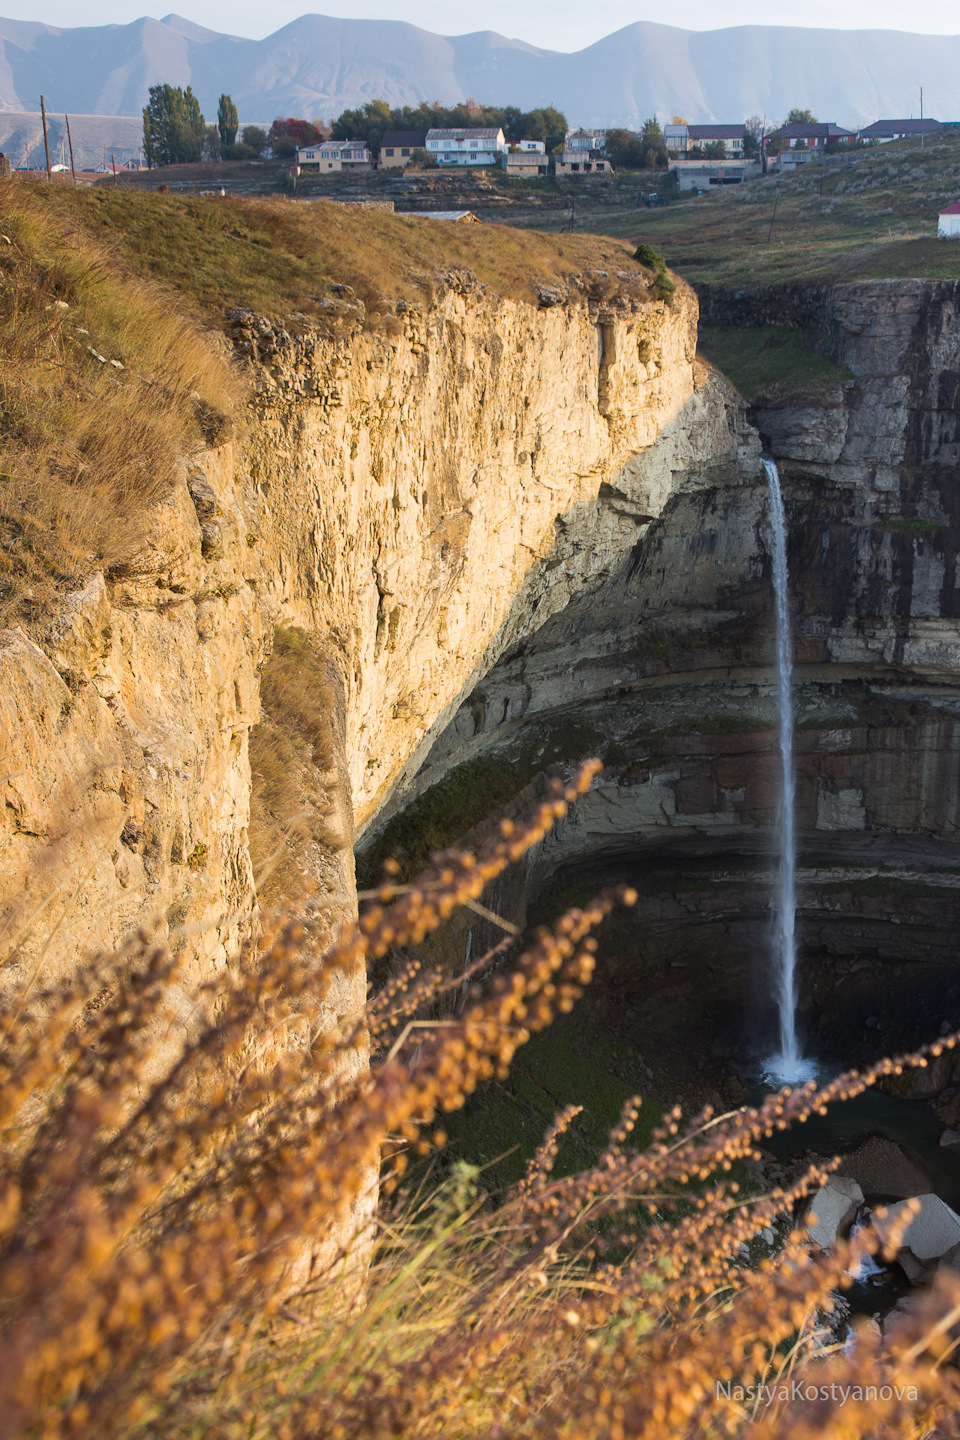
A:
514,535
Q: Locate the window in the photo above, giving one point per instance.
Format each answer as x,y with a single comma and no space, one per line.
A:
473,154
402,152
390,152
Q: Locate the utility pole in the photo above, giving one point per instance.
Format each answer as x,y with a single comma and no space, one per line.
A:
114,164
46,141
776,202
70,142
921,117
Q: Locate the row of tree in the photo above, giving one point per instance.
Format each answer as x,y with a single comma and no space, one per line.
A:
175,131
371,121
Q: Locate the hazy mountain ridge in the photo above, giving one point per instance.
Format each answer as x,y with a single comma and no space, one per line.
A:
317,65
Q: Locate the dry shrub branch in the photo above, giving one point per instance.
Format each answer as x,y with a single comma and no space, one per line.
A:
195,1253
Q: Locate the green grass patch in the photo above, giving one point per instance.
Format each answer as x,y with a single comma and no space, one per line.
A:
911,525
573,1062
758,357
471,793
872,216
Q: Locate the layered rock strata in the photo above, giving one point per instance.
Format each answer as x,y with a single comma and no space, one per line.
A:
667,667
416,499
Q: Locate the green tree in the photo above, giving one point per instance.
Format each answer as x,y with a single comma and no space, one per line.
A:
801,117
173,127
254,139
752,132
366,123
211,143
546,123
716,150
227,121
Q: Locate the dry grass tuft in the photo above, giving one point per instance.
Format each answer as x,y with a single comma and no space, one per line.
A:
291,764
104,385
149,1228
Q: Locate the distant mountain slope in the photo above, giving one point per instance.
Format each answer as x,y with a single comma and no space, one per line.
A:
317,65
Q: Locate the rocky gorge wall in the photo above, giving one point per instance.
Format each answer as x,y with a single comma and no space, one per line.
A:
667,666
415,499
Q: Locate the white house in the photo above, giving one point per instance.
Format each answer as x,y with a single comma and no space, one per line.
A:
948,223
466,147
330,155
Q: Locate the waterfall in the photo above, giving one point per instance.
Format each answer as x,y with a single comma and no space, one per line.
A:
788,1065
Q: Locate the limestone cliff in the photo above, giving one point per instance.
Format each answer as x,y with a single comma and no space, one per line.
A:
417,500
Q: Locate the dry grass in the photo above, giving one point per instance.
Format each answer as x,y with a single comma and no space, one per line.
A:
104,385
148,1226
279,257
291,760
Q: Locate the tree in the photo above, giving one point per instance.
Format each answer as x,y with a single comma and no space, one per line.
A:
254,139
801,117
716,150
546,123
367,123
775,143
288,133
624,150
173,127
679,120
211,143
752,135
227,121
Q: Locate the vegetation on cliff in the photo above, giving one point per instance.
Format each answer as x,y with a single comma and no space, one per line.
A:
281,257
156,1213
105,383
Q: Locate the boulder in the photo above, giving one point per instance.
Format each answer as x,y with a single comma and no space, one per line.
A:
881,1168
833,1209
930,1234
950,1137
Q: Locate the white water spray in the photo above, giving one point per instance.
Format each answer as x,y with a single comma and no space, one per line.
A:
788,1065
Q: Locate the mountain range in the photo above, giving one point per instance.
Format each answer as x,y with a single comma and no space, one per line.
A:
318,65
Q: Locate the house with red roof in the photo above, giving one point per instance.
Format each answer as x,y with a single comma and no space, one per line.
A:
948,224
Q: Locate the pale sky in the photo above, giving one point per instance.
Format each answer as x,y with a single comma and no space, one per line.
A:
551,24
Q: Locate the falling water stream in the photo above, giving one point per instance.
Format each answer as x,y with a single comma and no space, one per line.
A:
788,1064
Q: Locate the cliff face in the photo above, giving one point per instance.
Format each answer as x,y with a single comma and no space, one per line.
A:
417,502
125,770
667,665
430,498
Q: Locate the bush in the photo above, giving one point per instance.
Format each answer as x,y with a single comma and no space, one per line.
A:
664,287
239,152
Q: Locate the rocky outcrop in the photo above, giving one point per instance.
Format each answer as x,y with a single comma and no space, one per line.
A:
666,666
124,753
416,498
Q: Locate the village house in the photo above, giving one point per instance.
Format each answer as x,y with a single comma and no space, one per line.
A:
397,146
333,155
466,147
885,130
526,157
585,140
814,136
681,139
583,153
948,222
